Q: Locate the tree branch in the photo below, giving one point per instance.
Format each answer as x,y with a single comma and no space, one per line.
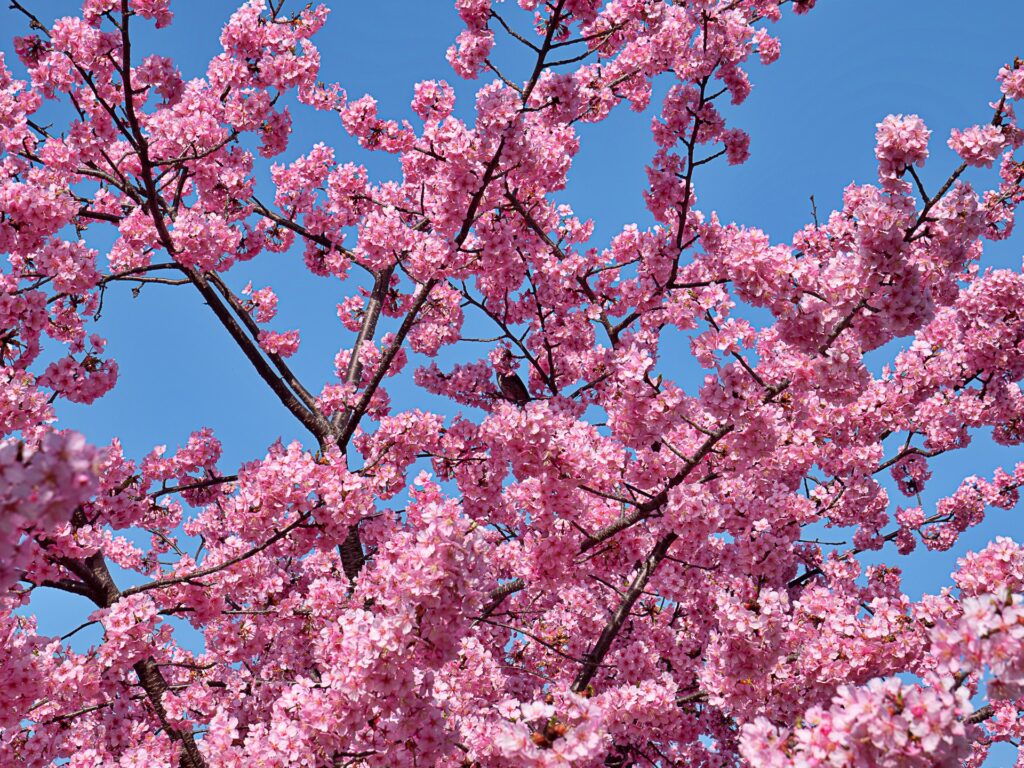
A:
611,630
198,574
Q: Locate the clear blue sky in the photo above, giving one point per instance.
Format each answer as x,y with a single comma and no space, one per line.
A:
812,116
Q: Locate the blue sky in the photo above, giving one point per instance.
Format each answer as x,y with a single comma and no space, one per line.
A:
811,116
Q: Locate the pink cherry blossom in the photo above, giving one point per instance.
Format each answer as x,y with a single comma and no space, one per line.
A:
978,145
902,141
508,526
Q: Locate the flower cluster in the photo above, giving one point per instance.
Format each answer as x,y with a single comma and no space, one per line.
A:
902,141
614,562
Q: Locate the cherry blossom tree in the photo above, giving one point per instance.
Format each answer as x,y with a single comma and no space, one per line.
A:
583,561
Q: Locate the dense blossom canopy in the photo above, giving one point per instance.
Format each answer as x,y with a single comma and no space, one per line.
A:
592,564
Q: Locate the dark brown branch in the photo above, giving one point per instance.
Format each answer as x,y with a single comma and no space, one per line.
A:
531,222
611,630
367,331
352,556
980,715
155,686
536,638
193,486
200,573
298,229
387,358
841,326
316,425
66,585
350,550
282,367
648,508
498,595
410,319
997,119
809,574
133,133
513,33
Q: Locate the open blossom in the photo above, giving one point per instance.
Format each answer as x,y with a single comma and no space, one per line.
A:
737,146
80,381
128,626
885,723
1011,80
204,240
274,132
902,141
433,100
41,486
262,303
988,636
469,52
158,10
285,344
978,145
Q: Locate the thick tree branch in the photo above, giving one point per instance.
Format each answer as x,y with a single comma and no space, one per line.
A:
283,369
367,330
316,425
651,506
611,630
498,595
